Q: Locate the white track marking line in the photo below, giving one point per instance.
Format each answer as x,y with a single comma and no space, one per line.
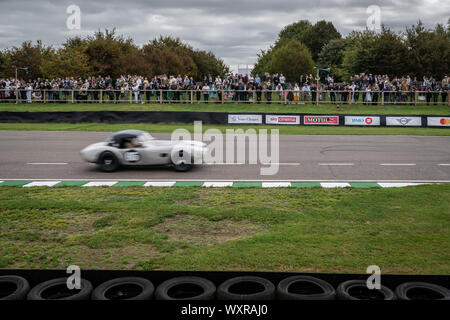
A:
398,164
254,164
396,185
335,185
276,184
336,164
100,184
281,164
42,184
225,164
444,164
47,163
160,184
228,180
217,184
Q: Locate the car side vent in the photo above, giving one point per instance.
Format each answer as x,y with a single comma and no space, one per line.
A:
164,155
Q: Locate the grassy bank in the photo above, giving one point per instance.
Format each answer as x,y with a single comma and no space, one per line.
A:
231,107
169,128
401,230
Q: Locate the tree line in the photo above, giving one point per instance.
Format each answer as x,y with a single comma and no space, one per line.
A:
301,46
417,51
106,53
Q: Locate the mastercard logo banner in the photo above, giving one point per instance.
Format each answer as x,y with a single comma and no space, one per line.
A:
439,121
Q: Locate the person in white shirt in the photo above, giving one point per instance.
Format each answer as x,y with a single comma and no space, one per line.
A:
136,92
306,91
29,90
282,80
205,90
279,90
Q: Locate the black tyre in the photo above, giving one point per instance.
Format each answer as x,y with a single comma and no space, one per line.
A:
186,288
108,162
357,290
183,167
13,288
130,288
56,289
421,291
246,288
305,288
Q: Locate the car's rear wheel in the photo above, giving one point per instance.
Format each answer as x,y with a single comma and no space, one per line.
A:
108,162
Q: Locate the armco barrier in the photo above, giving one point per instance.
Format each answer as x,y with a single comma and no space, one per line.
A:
222,118
97,277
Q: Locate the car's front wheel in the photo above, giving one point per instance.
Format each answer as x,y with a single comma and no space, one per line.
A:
108,162
183,167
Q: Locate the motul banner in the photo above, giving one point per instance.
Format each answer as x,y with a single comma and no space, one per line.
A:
321,120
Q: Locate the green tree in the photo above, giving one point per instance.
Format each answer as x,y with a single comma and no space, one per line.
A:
313,36
27,55
292,58
428,50
332,56
67,62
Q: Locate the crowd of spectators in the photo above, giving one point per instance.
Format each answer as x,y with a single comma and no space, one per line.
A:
365,88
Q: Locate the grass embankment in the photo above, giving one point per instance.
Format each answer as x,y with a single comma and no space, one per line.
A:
403,230
231,107
169,128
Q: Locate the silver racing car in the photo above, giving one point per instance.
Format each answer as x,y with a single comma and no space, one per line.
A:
139,148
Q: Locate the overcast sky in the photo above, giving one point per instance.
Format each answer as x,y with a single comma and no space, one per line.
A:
234,30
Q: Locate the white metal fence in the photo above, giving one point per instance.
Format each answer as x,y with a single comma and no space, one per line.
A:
226,96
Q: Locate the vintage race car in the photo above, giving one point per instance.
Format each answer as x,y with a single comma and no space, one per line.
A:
139,148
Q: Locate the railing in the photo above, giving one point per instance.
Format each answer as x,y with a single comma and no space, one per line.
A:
226,96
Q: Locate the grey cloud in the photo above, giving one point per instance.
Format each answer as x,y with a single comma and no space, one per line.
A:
234,30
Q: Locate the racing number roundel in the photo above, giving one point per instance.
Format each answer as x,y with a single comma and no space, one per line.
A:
132,156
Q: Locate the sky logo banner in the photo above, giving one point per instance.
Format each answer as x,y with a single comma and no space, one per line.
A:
273,119
321,120
362,121
404,121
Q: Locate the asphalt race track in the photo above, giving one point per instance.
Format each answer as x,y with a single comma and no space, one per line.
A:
31,155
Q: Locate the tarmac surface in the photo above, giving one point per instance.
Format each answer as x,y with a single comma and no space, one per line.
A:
36,155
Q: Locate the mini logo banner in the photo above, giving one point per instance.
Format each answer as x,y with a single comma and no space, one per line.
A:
404,121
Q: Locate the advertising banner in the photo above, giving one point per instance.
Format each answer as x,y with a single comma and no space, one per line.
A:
362,121
404,121
439,121
321,120
275,119
245,119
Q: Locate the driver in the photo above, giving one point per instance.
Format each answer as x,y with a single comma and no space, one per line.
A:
133,143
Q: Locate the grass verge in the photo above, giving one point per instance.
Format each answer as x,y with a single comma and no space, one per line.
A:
231,107
169,128
403,230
